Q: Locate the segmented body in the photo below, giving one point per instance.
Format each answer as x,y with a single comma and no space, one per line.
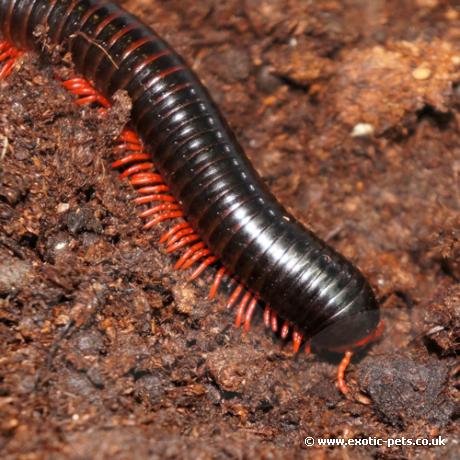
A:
239,223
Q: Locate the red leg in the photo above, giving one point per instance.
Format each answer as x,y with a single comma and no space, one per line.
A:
146,179
196,257
170,233
274,321
285,330
151,198
241,308
84,88
296,341
185,241
249,313
187,254
130,136
9,56
341,384
203,266
158,208
235,295
217,281
162,218
133,158
180,234
130,147
135,169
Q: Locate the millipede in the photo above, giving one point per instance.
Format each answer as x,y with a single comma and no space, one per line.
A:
187,167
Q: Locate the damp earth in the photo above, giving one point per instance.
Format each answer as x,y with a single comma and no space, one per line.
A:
350,111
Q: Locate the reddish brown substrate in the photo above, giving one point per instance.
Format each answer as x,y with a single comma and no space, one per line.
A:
151,369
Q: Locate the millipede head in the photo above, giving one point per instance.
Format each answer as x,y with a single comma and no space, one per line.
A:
355,326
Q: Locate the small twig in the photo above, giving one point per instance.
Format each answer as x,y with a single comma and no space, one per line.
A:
95,43
4,147
65,333
434,330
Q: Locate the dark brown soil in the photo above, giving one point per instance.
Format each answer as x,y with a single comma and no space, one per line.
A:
107,352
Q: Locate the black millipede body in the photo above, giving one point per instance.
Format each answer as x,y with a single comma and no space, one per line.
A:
301,278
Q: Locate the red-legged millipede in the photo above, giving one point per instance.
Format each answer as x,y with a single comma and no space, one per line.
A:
201,172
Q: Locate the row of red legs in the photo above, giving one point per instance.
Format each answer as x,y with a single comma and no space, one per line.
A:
137,167
153,194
